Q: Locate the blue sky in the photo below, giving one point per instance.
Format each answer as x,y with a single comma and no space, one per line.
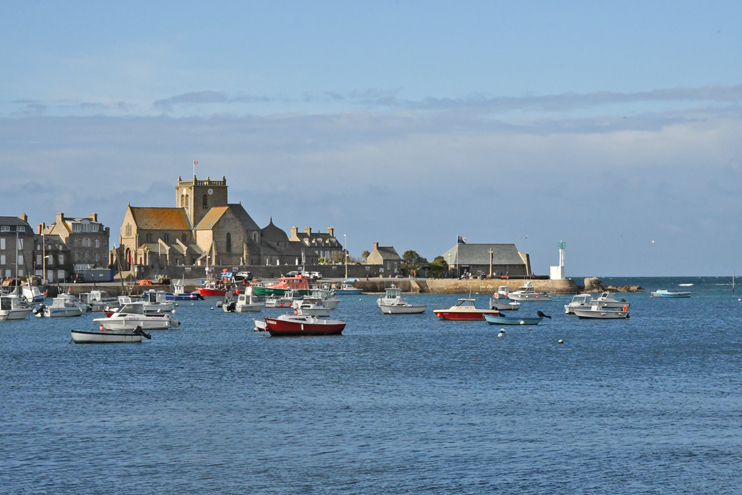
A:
608,126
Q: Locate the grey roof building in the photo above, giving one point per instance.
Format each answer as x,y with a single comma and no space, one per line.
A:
12,228
475,259
387,257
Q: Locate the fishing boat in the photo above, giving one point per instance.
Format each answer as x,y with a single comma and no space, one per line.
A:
132,315
597,313
245,303
608,300
498,319
297,282
156,301
98,300
670,294
259,325
294,325
347,289
179,293
104,336
32,294
503,292
13,307
394,304
215,289
62,306
526,292
328,297
579,301
310,306
284,301
464,309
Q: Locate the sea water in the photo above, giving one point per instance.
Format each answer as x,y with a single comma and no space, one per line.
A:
397,404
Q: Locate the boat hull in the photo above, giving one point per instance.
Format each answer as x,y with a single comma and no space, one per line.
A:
184,297
15,314
348,292
278,327
529,297
601,314
670,295
447,314
80,337
399,309
163,322
508,320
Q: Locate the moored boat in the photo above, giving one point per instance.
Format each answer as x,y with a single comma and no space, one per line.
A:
298,283
214,289
394,304
105,336
597,313
62,306
498,319
347,289
13,307
132,315
464,309
311,306
179,293
294,325
526,292
670,294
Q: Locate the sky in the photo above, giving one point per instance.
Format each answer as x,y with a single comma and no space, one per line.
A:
613,126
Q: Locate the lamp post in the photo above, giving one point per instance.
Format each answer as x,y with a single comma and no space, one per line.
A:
43,260
345,239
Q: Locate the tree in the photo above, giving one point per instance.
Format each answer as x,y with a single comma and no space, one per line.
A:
438,267
411,262
365,255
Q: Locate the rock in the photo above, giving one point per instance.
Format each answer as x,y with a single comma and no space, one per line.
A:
594,284
626,288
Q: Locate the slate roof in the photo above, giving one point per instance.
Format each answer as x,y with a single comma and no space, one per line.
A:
160,218
386,253
244,218
479,254
273,234
15,222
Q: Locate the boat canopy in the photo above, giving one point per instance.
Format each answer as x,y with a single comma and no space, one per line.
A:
134,309
393,292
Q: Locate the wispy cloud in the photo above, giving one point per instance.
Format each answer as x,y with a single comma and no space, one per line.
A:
192,98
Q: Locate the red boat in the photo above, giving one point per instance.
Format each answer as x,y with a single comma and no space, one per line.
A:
212,289
464,310
302,325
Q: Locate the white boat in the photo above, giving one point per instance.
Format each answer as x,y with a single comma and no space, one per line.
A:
284,301
98,300
132,315
579,301
32,294
347,289
310,306
62,306
13,307
329,299
394,304
245,303
597,313
104,336
502,292
608,300
156,301
260,325
527,293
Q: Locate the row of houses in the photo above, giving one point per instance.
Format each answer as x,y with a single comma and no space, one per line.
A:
204,229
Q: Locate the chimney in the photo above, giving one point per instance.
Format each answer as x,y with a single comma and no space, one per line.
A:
24,217
308,230
294,232
331,231
94,217
376,246
40,228
59,219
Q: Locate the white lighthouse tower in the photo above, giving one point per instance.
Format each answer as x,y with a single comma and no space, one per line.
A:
557,272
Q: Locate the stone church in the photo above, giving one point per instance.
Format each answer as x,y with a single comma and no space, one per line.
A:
205,229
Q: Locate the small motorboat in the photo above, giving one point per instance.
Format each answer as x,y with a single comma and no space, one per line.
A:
260,325
579,301
597,313
13,307
527,293
464,309
347,289
310,306
394,304
328,297
32,294
179,293
297,283
501,302
106,336
608,300
284,301
98,300
132,315
245,303
498,319
156,301
294,325
63,306
502,292
216,289
670,294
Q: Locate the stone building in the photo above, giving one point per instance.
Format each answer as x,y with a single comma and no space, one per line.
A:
16,237
475,259
205,229
58,264
387,258
85,237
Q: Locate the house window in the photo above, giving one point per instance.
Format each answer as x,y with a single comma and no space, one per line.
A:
76,227
94,227
61,259
20,243
21,228
149,237
4,228
38,259
2,259
77,242
86,227
97,257
229,242
97,243
2,243
76,257
86,242
206,202
166,237
20,259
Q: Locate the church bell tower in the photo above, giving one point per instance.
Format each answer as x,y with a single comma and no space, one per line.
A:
199,196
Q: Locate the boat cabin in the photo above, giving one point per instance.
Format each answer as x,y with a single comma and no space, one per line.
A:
132,309
393,293
297,282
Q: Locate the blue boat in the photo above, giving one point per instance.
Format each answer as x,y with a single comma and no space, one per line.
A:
509,320
670,294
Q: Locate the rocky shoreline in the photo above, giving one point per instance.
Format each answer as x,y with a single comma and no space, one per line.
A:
594,284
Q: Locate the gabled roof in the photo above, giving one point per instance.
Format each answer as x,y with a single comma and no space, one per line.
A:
479,254
160,218
217,212
387,253
244,218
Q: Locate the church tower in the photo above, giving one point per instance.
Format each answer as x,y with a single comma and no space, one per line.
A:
199,196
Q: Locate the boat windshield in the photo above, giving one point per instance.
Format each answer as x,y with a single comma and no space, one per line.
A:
134,309
465,303
5,303
393,293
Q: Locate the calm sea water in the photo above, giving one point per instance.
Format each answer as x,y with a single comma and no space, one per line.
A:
397,404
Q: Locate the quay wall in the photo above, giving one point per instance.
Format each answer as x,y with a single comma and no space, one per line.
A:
455,286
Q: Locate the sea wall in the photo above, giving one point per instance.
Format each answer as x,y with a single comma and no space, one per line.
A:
455,286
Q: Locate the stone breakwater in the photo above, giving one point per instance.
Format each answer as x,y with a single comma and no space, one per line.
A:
454,286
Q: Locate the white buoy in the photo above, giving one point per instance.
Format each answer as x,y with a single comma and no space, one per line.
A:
560,341
522,322
174,311
500,334
212,308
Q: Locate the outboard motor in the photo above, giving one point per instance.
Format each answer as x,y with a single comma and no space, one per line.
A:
39,310
232,306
